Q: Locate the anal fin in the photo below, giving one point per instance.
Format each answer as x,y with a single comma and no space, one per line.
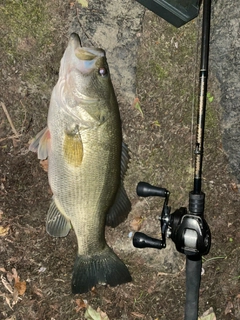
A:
56,225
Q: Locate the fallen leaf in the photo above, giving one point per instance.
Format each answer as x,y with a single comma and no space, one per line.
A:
208,315
83,3
15,275
44,165
136,223
94,290
71,5
6,284
103,315
37,291
234,187
15,296
21,287
136,105
156,123
92,314
10,277
81,304
138,315
228,308
8,300
3,231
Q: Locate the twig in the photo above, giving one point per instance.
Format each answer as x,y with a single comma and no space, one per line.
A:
9,119
10,137
172,274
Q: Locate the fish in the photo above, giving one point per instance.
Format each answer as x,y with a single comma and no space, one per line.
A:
87,162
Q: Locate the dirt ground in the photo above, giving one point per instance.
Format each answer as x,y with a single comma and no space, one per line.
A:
36,269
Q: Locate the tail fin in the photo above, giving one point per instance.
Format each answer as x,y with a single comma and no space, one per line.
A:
102,268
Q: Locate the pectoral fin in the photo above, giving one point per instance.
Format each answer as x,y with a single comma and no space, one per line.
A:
40,144
56,225
73,149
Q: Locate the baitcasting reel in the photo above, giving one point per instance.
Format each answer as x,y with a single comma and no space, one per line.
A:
187,228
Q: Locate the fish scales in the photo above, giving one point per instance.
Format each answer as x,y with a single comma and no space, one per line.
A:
86,162
86,182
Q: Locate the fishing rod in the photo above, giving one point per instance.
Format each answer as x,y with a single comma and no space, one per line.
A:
186,227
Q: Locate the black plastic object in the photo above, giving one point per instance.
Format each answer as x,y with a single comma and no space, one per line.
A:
176,12
141,240
145,189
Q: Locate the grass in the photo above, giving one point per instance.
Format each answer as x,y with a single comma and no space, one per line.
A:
27,36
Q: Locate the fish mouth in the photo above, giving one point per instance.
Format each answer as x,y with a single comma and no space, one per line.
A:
78,65
87,57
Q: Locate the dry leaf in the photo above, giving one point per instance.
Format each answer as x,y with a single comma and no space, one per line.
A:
44,165
92,314
228,308
10,277
6,284
234,187
138,315
208,315
136,223
8,300
103,315
15,275
37,291
21,287
15,296
3,231
83,3
136,105
81,304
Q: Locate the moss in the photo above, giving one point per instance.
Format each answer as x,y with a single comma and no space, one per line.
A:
28,36
158,70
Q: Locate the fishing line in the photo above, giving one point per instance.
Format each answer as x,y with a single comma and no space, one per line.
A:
89,38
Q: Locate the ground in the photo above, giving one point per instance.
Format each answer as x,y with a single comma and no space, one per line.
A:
158,127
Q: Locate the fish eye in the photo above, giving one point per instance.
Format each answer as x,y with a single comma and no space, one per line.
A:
103,72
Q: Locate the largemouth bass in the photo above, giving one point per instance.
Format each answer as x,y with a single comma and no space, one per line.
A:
87,161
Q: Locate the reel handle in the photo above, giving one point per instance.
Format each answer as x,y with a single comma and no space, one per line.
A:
141,240
145,189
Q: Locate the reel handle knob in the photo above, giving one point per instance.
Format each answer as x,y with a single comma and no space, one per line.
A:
141,240
145,189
